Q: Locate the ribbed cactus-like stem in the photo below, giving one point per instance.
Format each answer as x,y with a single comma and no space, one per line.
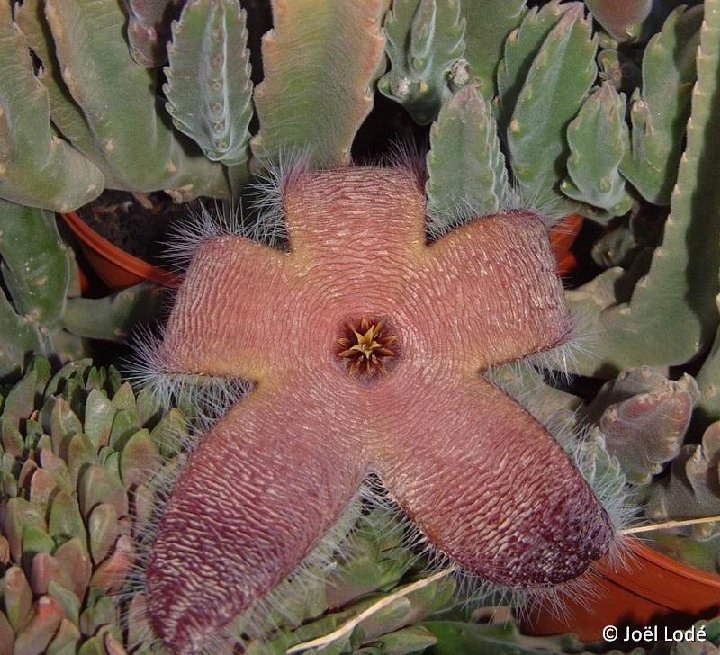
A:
425,41
557,82
28,144
593,175
320,60
209,60
682,282
659,111
466,169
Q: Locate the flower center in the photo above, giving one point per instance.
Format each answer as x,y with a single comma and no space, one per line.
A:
366,347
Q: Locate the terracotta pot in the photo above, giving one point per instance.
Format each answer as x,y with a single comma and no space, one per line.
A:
114,266
118,269
650,589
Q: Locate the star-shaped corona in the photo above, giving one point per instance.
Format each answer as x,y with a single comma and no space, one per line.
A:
366,345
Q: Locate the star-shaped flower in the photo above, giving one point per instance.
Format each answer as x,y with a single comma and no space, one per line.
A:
366,345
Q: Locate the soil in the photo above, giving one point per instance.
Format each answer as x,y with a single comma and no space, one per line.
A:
139,225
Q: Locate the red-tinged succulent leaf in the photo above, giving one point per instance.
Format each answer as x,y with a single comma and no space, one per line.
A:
113,646
45,569
67,636
80,452
33,640
99,485
75,564
17,598
138,622
19,514
65,519
693,488
99,413
149,29
4,550
56,467
142,508
644,419
110,575
7,637
103,529
139,459
28,468
621,18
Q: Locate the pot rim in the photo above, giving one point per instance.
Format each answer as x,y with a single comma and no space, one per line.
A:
117,256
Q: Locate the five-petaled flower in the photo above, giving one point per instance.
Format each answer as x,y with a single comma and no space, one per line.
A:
481,479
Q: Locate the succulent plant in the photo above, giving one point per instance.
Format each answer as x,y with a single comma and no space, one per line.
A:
42,310
693,490
643,418
78,452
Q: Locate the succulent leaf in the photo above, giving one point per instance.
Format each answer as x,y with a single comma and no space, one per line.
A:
623,19
67,599
519,51
677,283
556,85
593,175
466,168
17,598
112,318
320,60
693,487
7,637
60,570
103,530
35,637
65,640
209,60
149,28
709,379
99,413
35,264
65,113
495,639
89,44
643,417
425,44
488,25
36,167
40,310
659,112
65,520
414,639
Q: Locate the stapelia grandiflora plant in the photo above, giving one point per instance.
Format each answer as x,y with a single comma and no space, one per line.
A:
365,345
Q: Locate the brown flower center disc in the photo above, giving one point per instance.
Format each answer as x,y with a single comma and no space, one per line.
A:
367,348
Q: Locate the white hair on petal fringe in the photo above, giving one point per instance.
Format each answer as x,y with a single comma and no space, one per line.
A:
409,156
548,208
203,398
258,215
